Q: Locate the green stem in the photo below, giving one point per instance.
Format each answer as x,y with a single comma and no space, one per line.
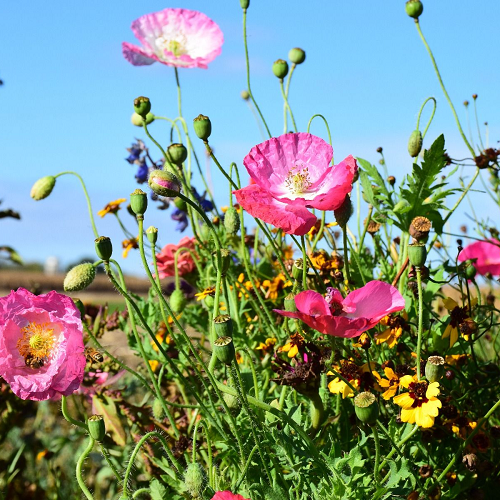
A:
245,469
430,119
68,417
248,72
477,125
420,318
79,466
317,412
140,491
471,149
158,145
89,206
346,256
287,106
304,263
377,454
105,454
368,219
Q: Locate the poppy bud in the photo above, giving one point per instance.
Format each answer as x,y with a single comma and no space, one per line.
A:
177,301
138,120
232,220
297,56
223,325
280,69
415,143
232,402
158,411
391,180
139,202
224,350
209,301
434,369
79,277
297,269
366,407
164,183
290,305
202,127
43,187
177,154
97,429
419,228
344,212
469,269
417,254
414,8
103,248
142,106
152,234
245,95
194,480
245,4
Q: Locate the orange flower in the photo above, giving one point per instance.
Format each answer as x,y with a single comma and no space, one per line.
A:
395,326
293,346
390,383
275,285
112,207
267,346
127,245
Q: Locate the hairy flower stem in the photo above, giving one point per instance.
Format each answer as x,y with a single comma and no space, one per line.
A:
403,254
79,466
420,318
238,384
317,412
431,117
126,477
377,454
105,454
89,206
471,149
245,469
248,72
68,417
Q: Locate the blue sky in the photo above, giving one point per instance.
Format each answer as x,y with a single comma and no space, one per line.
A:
68,93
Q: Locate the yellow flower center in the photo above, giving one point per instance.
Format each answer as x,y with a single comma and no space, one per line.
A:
38,341
298,180
177,47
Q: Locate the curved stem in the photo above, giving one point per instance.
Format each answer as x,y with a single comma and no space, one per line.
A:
158,145
420,318
89,206
68,417
304,263
430,119
79,466
105,454
326,125
287,106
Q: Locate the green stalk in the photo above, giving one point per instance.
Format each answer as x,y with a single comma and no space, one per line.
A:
68,417
377,454
420,318
287,106
79,466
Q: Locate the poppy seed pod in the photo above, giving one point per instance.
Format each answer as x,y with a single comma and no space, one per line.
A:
43,187
344,212
97,428
79,277
138,120
202,127
414,8
366,407
415,143
177,154
224,350
419,228
245,4
139,202
103,248
470,270
417,254
177,301
434,369
297,56
290,305
280,69
164,183
142,106
152,234
223,325
297,269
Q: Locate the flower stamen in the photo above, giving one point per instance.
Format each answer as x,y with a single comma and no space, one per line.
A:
37,341
298,180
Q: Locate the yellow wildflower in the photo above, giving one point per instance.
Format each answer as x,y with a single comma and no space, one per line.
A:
275,285
267,346
458,315
395,326
127,245
293,346
208,292
112,207
390,383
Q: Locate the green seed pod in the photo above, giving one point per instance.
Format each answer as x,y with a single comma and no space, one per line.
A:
417,254
290,303
164,183
97,428
414,8
158,411
280,69
401,207
139,202
142,106
434,368
152,234
297,56
366,407
226,260
205,232
232,220
415,143
470,270
103,248
202,127
177,154
297,269
194,480
344,212
138,120
43,187
245,4
79,277
224,350
223,325
177,301
209,301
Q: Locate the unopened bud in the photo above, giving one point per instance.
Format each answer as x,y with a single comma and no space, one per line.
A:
177,301
391,180
138,120
158,411
344,212
194,480
415,143
245,95
43,187
297,56
79,277
232,220
280,68
164,183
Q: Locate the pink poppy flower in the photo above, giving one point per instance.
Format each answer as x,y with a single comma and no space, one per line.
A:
41,345
361,310
166,258
290,173
227,495
176,37
486,255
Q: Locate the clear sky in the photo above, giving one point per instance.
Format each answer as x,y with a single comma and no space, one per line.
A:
68,92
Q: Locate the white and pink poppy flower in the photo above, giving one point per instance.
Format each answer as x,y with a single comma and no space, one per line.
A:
177,37
290,174
361,310
484,254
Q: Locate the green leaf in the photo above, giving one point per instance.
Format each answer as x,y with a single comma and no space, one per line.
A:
157,490
105,406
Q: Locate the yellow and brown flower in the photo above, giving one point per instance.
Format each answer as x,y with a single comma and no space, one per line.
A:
112,207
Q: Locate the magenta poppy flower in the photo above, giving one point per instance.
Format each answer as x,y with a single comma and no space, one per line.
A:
486,255
227,495
291,173
176,37
361,310
166,258
41,345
